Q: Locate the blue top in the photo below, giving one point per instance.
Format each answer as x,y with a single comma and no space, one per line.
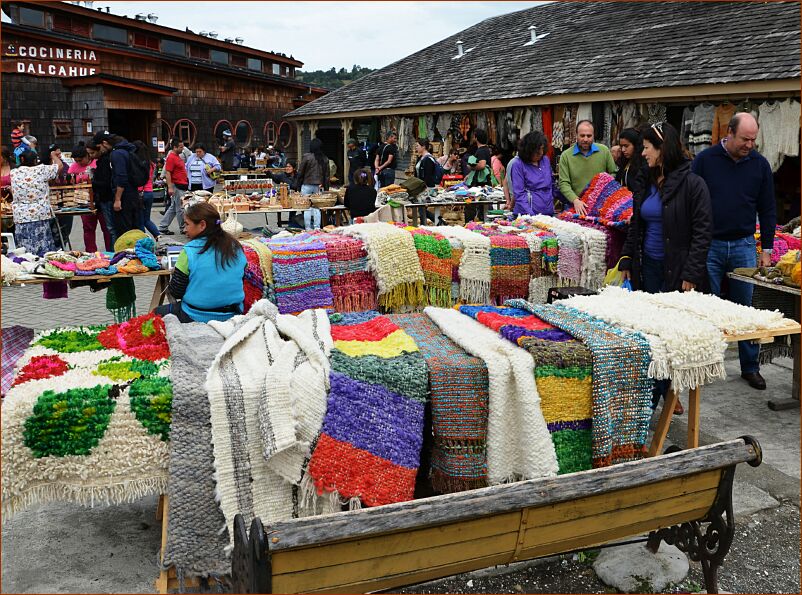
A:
651,211
593,149
739,191
212,287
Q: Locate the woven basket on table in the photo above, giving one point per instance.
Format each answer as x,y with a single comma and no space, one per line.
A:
299,201
323,201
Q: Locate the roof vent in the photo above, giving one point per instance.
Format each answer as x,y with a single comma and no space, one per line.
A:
213,34
460,51
152,17
239,40
141,17
228,40
533,36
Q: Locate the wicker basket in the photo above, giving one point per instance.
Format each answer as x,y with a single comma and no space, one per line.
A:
299,201
323,201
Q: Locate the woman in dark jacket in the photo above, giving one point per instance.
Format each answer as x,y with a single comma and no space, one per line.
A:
632,168
425,165
671,226
360,197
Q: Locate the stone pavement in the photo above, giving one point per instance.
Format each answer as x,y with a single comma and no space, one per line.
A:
65,548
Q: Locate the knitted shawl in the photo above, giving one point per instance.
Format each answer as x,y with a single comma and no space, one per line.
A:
369,447
518,442
590,242
86,424
509,267
684,348
614,240
434,254
265,266
301,273
254,418
393,261
353,287
252,282
607,202
459,398
474,266
563,375
622,390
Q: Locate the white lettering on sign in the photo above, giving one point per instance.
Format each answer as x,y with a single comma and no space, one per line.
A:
51,69
50,53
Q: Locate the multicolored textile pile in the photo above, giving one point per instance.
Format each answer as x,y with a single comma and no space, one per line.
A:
783,242
584,263
434,254
15,340
622,390
509,267
474,264
607,202
394,262
369,446
459,396
301,273
88,418
258,280
352,285
563,374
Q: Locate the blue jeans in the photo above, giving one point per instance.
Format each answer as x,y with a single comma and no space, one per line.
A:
107,209
722,257
145,224
311,215
653,282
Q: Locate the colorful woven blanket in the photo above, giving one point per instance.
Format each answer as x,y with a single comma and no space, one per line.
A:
369,447
509,267
88,424
253,281
622,390
474,265
352,284
588,266
518,441
459,397
607,202
434,254
263,277
563,375
301,273
614,240
393,261
14,343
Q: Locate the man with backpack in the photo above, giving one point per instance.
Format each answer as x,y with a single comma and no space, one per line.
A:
387,160
128,173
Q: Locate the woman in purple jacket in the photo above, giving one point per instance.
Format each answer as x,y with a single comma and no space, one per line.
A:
531,177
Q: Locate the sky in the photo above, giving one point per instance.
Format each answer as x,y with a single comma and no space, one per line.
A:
325,34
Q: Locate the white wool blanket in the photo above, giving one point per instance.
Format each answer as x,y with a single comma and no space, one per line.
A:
474,265
592,242
519,445
728,317
685,348
262,431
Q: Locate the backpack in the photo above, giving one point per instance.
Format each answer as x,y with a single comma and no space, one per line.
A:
439,172
138,165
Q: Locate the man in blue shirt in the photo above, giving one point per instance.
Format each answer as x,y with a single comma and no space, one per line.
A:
741,191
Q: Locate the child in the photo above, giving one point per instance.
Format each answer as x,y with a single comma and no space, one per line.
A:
360,197
208,274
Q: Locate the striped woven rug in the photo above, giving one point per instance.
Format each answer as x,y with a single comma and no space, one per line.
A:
300,273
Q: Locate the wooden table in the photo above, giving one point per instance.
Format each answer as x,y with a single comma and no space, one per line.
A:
694,396
157,299
419,209
337,210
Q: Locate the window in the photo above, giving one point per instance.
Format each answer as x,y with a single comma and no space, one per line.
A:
276,69
31,17
107,33
198,52
62,128
270,133
292,71
255,64
67,24
221,126
219,57
238,61
185,130
177,48
243,133
285,134
283,70
165,131
146,41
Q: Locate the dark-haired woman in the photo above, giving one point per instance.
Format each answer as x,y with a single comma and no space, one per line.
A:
31,205
360,197
207,278
671,226
200,166
632,168
425,166
313,175
530,177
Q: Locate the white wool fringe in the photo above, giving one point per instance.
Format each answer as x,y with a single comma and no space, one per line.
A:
685,348
474,266
519,445
592,242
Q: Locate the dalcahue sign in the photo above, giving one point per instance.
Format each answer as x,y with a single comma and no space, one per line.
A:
46,60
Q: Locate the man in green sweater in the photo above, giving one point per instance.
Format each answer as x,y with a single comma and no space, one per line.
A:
581,162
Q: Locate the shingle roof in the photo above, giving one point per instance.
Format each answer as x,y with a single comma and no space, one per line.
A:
591,47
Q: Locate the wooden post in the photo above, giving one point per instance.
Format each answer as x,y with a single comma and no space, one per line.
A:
662,425
693,417
163,580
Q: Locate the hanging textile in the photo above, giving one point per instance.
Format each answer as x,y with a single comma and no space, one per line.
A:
481,121
778,132
702,128
465,126
429,126
456,131
558,133
686,126
569,125
584,111
548,124
655,112
518,115
499,118
721,121
443,124
526,125
423,132
607,126
629,115
537,121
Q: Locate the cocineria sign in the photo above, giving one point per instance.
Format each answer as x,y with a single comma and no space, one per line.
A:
44,60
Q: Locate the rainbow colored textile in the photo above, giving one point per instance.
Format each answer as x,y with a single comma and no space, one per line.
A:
434,253
253,281
607,202
563,375
370,443
300,273
509,267
353,286
459,397
783,242
622,388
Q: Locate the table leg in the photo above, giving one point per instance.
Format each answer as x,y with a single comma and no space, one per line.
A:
436,214
693,417
159,292
663,423
483,210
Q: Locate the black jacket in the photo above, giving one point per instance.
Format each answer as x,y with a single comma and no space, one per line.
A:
101,180
635,178
425,169
687,231
360,200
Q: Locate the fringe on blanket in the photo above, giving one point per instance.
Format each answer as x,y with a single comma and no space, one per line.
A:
474,291
780,348
687,378
402,294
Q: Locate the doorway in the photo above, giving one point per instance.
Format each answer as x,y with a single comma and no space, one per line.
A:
133,124
333,140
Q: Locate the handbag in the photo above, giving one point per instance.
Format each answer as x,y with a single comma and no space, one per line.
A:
615,276
231,225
